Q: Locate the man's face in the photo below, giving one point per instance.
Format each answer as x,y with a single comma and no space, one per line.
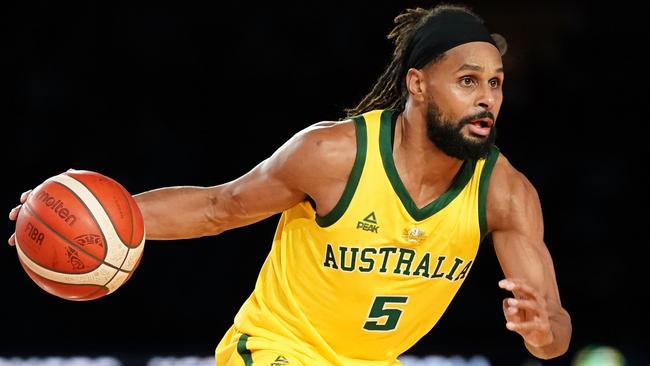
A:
464,97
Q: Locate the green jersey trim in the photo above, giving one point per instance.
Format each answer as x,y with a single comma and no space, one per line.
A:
386,150
484,182
244,352
355,175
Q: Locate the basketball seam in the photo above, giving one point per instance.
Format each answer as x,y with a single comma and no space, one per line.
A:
91,215
31,211
128,203
66,283
128,248
81,298
107,223
104,208
115,275
130,212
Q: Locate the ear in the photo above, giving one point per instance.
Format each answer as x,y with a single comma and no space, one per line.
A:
415,84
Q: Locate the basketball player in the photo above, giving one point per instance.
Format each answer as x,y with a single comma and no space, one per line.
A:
383,213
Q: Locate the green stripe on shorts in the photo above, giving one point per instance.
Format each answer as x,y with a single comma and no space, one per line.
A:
243,351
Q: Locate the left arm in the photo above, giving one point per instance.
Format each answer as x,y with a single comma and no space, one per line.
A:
515,220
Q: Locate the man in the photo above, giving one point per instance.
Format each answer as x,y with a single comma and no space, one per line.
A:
383,213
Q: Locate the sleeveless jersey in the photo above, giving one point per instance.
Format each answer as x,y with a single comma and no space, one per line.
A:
362,284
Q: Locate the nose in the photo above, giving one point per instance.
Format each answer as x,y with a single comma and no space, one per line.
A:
487,98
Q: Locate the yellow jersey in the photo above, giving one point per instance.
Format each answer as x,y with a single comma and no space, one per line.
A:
362,284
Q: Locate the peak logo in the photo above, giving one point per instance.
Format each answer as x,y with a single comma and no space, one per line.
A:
369,223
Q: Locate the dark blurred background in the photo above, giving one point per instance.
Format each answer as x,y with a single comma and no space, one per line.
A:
182,93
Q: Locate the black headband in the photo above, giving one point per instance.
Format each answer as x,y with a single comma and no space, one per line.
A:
444,31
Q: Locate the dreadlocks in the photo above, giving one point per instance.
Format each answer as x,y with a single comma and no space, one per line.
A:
389,91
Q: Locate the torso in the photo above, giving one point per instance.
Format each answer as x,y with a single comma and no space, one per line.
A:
373,263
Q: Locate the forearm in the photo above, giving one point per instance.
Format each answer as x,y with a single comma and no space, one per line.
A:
177,212
561,328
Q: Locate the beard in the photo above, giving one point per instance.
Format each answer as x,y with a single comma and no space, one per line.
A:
447,135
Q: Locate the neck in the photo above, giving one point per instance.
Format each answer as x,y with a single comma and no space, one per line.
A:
426,171
412,142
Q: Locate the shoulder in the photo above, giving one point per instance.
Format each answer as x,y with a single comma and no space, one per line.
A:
507,178
320,153
326,139
328,143
510,194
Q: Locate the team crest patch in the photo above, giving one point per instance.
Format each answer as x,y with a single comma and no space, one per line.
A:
414,235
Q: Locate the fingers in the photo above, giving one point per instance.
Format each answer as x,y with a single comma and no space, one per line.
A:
529,305
511,312
520,287
23,197
13,214
537,333
527,313
530,326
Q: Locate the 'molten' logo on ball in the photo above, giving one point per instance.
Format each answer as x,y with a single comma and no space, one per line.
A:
57,206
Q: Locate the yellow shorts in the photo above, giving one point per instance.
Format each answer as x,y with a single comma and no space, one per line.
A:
237,349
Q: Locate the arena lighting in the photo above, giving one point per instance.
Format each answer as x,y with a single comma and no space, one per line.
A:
60,361
407,360
597,355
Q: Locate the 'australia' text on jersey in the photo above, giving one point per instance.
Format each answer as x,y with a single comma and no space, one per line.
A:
396,260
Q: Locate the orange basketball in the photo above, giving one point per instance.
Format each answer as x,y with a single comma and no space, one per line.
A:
80,235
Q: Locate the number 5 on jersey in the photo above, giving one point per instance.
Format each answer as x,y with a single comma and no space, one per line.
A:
383,316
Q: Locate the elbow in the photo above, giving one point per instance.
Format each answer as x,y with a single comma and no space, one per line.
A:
216,221
223,209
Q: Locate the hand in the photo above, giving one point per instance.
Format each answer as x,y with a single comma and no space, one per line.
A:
526,313
13,214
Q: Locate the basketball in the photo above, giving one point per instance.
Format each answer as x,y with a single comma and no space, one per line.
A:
80,235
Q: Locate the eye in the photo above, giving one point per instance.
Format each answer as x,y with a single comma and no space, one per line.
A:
495,83
467,81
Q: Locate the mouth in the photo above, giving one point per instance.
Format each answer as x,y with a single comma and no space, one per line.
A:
481,127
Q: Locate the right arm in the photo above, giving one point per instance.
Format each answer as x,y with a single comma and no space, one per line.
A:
316,162
189,212
319,154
